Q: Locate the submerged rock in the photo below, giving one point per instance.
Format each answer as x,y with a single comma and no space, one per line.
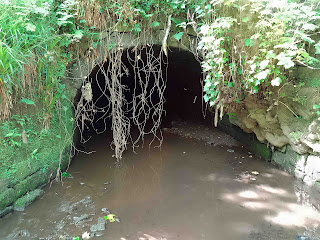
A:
76,220
100,226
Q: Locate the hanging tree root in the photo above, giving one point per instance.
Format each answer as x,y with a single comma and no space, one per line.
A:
143,106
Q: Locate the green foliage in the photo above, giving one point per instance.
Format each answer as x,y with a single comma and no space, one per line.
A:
38,38
65,174
32,58
317,108
250,47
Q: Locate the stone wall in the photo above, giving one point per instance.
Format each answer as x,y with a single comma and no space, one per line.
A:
36,161
305,167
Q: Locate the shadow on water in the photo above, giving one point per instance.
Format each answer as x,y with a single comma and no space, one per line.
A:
185,190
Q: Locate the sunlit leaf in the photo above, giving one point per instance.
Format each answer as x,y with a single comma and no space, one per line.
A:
264,64
276,82
309,26
285,60
110,217
262,75
206,98
78,34
244,19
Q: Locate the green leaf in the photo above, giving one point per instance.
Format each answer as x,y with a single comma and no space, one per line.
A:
78,34
137,28
316,106
249,42
65,174
83,21
206,98
208,6
178,36
76,238
230,84
154,24
317,47
245,19
27,101
110,217
238,101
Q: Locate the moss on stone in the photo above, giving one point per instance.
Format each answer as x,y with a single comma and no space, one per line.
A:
260,149
30,183
5,211
27,199
7,197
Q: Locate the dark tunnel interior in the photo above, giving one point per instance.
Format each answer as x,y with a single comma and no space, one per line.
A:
183,93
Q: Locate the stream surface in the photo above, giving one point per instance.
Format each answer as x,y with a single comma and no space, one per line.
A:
189,189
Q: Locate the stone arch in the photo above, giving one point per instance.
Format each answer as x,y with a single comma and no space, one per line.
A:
109,47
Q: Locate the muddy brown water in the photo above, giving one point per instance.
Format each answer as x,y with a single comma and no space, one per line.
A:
186,190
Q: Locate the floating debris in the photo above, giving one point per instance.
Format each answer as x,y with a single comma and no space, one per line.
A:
86,236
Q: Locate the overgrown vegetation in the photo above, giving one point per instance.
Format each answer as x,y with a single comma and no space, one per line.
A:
248,48
251,46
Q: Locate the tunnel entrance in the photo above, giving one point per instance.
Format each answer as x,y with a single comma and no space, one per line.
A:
137,91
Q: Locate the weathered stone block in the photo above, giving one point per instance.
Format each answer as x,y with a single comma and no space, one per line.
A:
312,170
290,161
24,171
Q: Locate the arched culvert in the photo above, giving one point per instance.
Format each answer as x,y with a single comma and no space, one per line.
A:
152,91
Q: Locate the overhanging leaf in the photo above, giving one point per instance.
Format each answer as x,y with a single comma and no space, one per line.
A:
178,36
